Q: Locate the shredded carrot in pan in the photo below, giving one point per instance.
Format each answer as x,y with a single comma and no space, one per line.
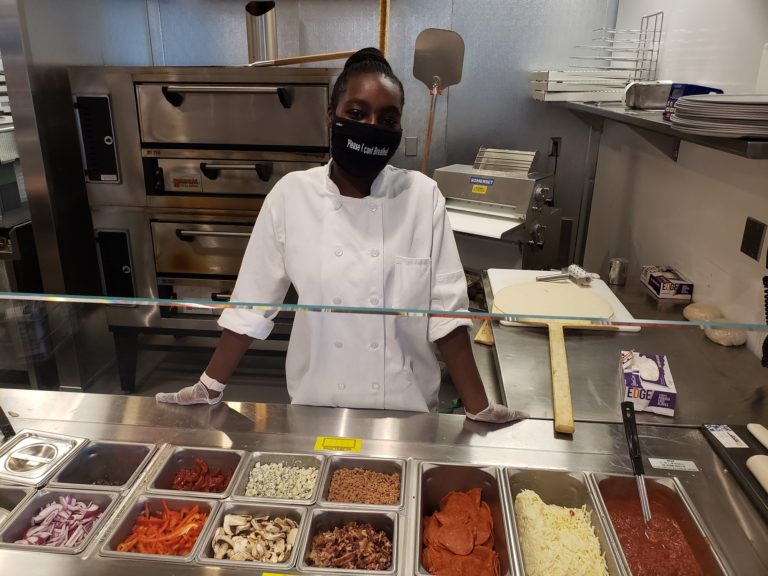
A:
171,532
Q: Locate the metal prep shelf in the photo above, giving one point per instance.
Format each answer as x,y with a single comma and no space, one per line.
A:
663,135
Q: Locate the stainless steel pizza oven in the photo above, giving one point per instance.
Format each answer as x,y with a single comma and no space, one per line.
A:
177,162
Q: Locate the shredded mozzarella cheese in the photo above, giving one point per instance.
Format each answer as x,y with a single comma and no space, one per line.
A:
557,541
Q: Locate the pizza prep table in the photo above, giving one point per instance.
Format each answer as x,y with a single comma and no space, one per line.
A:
738,531
715,384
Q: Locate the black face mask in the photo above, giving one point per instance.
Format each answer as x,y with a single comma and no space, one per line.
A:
362,149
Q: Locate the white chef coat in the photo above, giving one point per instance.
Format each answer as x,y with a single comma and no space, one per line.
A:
392,249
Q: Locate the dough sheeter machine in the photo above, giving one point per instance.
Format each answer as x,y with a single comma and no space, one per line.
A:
500,197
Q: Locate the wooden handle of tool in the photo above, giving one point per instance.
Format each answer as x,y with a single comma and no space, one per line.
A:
303,59
561,385
428,137
383,25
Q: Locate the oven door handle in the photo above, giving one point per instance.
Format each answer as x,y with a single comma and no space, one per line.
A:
211,170
190,235
174,93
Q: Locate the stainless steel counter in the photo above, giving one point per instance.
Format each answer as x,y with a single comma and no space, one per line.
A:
735,526
715,384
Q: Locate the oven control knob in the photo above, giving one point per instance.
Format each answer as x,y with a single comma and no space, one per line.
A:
126,269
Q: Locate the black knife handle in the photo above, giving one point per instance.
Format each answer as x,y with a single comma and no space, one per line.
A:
633,441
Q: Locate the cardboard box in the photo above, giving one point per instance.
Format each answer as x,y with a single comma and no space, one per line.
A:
646,381
666,283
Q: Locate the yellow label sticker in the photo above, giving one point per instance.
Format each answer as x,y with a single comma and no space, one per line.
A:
274,574
338,444
479,189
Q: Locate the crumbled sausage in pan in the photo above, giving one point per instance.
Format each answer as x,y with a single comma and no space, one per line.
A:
361,486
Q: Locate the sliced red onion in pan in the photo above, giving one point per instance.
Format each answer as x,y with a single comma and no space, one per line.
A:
64,523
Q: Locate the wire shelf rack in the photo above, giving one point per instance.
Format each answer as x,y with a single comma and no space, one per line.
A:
626,55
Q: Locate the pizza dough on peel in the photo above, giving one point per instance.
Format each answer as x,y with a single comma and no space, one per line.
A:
551,299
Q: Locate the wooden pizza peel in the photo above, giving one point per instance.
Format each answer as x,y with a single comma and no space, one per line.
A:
563,304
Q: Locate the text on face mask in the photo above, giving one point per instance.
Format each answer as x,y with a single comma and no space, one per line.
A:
369,150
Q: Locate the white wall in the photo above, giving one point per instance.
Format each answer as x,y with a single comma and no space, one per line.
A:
689,214
711,42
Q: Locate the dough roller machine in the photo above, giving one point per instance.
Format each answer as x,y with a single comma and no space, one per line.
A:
501,197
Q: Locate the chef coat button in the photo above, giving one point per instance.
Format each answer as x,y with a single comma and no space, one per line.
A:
341,386
374,345
337,205
374,253
338,344
374,300
337,300
375,385
338,251
372,207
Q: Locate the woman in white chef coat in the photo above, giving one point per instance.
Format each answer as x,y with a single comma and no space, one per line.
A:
356,232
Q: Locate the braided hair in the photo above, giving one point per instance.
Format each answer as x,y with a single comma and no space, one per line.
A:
365,61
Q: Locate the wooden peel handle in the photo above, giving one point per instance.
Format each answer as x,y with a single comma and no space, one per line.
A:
561,386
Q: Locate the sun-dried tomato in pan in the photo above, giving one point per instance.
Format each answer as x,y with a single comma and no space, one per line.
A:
201,479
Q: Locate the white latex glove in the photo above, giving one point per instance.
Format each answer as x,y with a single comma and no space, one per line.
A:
498,414
197,394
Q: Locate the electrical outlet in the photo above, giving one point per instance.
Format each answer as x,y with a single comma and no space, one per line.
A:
411,145
752,240
554,147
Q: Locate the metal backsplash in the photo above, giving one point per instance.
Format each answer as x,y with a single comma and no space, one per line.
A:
492,106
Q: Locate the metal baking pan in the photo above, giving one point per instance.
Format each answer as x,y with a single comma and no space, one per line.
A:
386,466
568,489
11,497
30,458
123,526
295,513
437,480
119,461
184,457
670,493
287,459
324,519
18,523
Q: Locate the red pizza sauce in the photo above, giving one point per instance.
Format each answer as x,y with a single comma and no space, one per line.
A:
664,551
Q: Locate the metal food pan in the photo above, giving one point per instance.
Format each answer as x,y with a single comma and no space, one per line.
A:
121,461
12,497
123,526
568,489
31,457
385,466
295,513
324,519
184,457
18,523
437,480
288,459
670,493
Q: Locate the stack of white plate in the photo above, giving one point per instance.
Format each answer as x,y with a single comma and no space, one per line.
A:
723,115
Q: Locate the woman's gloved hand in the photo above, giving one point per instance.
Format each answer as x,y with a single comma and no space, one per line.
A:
498,414
206,391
